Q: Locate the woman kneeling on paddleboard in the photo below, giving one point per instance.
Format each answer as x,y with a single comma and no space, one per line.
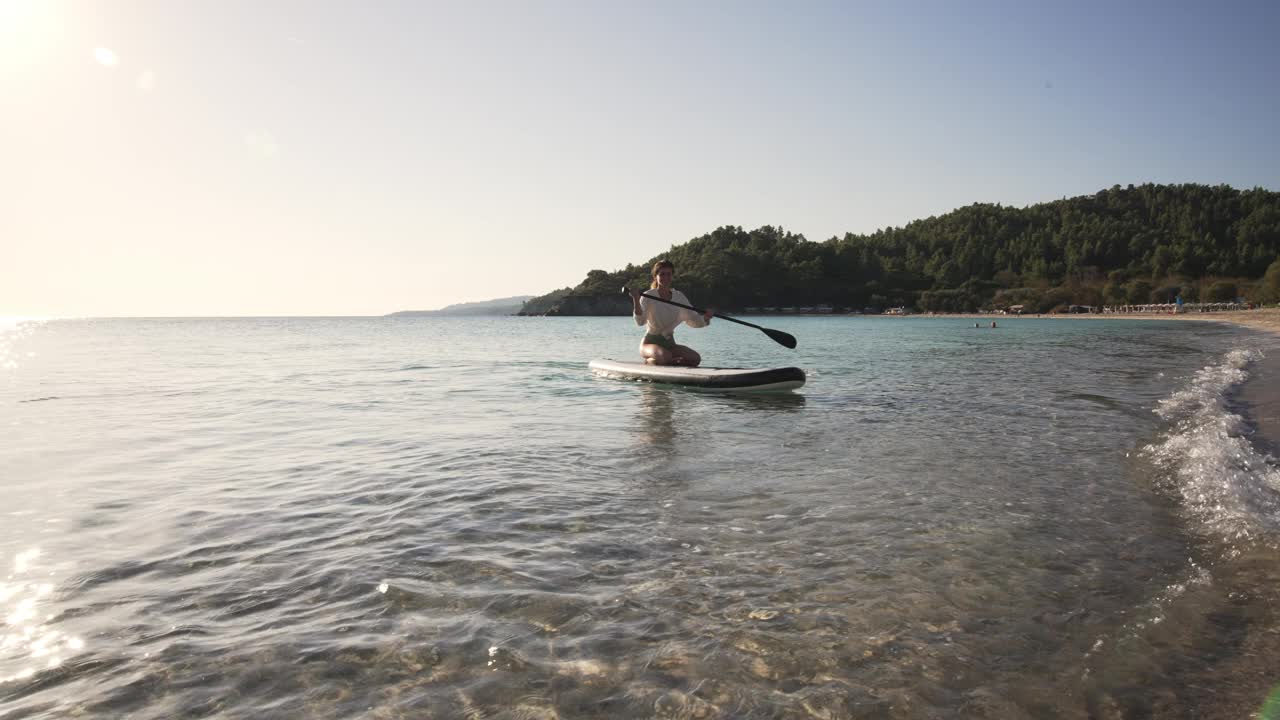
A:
660,320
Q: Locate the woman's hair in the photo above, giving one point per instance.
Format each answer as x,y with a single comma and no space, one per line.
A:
653,274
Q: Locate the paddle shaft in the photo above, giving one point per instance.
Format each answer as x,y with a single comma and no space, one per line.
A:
784,339
700,311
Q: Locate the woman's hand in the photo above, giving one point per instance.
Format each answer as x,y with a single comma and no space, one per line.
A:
708,314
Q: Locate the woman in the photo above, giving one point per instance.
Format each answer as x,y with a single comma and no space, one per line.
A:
660,320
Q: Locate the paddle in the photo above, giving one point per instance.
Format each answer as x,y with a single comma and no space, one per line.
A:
784,339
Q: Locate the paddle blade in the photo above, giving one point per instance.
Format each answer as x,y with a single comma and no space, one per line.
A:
786,340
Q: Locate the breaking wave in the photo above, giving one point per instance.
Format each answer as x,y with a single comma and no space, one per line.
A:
1229,489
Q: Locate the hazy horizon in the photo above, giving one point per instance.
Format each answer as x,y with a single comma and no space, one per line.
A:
287,159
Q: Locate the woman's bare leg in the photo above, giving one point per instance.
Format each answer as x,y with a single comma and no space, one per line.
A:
687,356
657,355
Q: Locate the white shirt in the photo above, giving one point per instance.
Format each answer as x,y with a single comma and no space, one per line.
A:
659,318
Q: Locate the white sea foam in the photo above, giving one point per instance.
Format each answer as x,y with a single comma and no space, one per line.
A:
1228,487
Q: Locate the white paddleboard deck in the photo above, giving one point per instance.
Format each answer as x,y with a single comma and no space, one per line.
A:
702,378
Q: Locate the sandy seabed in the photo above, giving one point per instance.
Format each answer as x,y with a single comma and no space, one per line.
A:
1240,685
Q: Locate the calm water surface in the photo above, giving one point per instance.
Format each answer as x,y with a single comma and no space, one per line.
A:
445,518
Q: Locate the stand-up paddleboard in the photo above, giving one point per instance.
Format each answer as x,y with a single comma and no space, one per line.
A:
702,378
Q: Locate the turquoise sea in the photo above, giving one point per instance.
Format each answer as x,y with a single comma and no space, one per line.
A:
451,518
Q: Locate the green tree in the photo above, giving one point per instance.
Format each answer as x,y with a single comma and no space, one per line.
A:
1221,291
1271,283
1100,243
1114,294
1161,261
1138,292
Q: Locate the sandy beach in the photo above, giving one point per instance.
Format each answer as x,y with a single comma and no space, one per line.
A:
1265,319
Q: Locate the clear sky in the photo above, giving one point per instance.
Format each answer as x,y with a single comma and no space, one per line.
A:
241,157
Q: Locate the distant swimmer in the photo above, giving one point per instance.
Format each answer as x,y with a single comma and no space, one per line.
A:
976,325
993,323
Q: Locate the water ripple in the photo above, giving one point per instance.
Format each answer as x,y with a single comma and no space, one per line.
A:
335,518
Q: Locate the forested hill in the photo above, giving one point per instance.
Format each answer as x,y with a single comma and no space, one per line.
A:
500,306
1134,244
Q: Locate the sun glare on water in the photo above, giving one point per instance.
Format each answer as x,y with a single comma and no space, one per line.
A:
13,329
27,643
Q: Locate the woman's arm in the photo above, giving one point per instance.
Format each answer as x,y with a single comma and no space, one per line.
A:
694,320
637,311
691,318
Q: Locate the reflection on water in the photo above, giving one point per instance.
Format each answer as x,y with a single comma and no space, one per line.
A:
761,401
665,413
27,643
656,417
13,331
